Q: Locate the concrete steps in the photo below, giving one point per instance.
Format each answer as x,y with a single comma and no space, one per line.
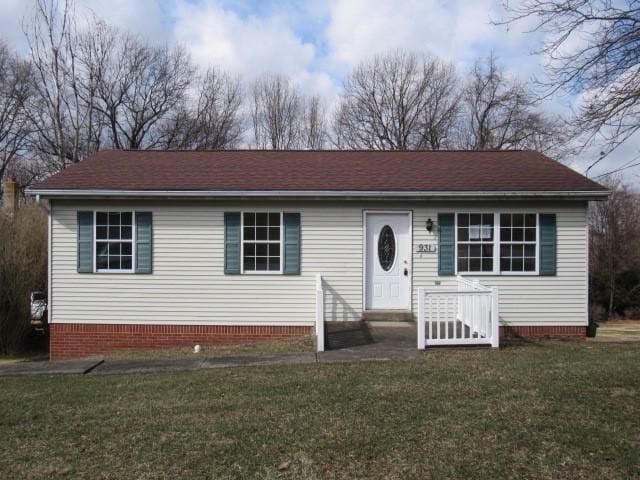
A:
387,316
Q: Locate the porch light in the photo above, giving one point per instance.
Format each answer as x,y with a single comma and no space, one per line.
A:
429,225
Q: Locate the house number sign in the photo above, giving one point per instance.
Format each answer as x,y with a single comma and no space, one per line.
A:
426,248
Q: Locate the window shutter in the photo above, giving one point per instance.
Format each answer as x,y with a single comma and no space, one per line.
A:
232,243
291,244
85,242
144,242
446,244
548,251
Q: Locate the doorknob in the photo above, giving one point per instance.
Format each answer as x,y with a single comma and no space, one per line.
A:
406,272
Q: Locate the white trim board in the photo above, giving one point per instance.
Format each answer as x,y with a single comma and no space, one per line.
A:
343,194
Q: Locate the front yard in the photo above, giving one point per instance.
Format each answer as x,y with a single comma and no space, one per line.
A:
538,410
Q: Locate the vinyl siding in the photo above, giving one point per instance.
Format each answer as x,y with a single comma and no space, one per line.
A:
188,284
524,299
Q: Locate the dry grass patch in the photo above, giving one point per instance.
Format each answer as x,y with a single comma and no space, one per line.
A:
292,345
547,410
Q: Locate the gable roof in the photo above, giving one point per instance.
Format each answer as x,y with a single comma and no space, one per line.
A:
148,172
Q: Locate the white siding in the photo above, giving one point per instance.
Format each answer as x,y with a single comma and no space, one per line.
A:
524,299
188,284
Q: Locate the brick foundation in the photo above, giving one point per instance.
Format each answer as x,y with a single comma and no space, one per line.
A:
72,340
575,333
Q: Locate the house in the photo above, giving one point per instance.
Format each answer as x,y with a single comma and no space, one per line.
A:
165,248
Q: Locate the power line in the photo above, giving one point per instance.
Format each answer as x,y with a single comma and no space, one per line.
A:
618,170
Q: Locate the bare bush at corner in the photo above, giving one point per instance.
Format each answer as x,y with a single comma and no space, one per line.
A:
23,269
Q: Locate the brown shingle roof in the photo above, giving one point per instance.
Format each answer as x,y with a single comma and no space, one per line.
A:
358,171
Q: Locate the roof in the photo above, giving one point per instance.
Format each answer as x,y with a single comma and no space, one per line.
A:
285,172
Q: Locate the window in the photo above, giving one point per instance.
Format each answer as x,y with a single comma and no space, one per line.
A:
114,241
497,243
475,242
518,236
386,248
262,241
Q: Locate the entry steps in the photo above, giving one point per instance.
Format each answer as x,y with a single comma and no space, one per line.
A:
387,316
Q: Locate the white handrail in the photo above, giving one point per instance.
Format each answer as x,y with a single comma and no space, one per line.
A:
466,316
421,319
319,314
465,284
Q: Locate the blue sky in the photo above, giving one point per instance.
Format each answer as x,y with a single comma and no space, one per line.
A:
317,43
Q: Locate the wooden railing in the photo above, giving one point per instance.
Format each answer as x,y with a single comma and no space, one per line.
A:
466,316
319,314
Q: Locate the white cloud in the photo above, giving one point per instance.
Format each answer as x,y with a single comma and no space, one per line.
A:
248,46
148,18
360,28
12,13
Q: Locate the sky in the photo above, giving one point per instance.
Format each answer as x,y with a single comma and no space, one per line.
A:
317,43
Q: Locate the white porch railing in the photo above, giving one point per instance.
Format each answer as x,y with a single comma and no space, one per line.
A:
468,315
319,314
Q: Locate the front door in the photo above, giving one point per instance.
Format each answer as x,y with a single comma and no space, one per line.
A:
388,257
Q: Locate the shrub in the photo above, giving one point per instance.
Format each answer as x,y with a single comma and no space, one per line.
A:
23,269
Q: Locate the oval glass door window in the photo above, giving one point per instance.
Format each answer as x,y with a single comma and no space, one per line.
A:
386,248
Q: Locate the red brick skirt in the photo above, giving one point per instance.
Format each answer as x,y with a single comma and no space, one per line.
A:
72,340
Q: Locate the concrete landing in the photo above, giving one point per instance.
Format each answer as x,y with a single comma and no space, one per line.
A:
369,341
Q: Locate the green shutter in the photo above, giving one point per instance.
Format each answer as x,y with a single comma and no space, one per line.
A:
85,242
144,242
291,244
446,244
548,250
232,243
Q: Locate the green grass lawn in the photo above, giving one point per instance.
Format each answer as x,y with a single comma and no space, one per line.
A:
540,410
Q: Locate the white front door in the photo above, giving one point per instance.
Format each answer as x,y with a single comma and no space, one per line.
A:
388,257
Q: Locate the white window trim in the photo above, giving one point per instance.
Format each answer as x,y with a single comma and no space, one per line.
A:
133,242
496,245
280,241
536,272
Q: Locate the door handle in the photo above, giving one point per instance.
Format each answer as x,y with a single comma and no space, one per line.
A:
406,272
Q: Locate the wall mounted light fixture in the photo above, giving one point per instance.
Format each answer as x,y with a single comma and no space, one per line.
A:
429,225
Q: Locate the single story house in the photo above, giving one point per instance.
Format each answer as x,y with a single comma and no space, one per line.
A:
149,249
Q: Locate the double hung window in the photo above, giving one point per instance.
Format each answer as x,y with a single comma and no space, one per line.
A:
262,242
494,243
114,241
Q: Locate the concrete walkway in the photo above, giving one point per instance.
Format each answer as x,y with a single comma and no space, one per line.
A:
44,367
347,344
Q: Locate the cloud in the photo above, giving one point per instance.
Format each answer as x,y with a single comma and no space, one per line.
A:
360,28
249,46
11,14
148,18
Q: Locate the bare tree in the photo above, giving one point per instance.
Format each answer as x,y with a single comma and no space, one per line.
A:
614,244
314,129
15,89
592,49
94,47
499,112
442,105
56,111
213,120
398,101
276,113
137,86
